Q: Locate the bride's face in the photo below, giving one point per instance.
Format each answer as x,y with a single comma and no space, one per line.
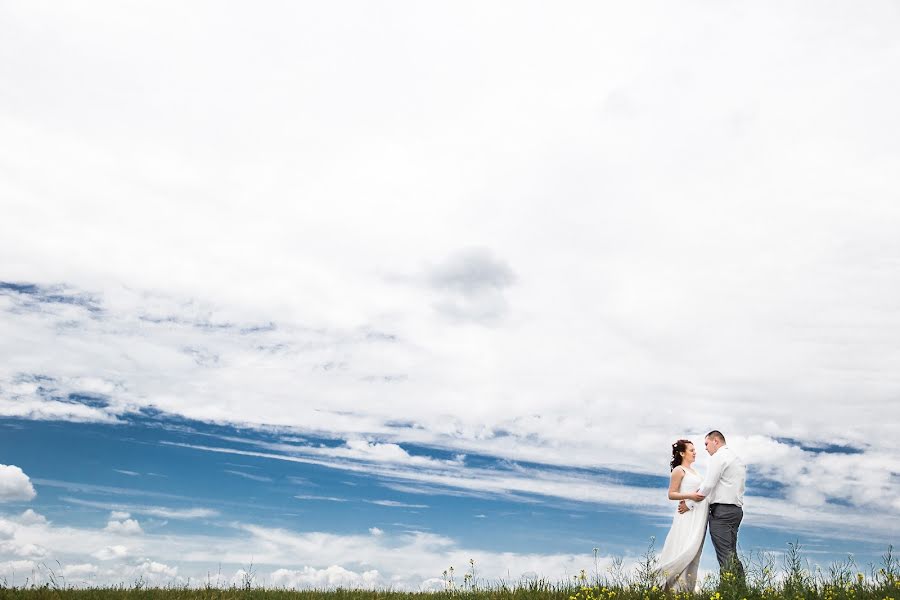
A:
690,454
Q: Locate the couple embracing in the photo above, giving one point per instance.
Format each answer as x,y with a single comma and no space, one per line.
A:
715,501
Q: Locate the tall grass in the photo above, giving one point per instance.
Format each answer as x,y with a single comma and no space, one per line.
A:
767,578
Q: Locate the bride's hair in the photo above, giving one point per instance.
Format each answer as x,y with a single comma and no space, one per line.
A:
677,448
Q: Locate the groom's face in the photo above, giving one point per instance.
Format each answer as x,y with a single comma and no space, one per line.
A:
711,445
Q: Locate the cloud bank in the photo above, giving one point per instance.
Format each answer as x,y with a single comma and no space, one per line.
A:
15,485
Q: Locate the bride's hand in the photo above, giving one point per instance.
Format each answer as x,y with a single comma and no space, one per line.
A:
696,497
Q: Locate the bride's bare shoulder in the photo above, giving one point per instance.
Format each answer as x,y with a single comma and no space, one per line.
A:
677,473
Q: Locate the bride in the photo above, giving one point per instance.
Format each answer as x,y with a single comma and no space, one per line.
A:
680,556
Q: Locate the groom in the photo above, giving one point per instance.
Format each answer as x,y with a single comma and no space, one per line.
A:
724,485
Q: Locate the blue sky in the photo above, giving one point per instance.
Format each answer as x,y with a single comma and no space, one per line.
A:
180,482
357,292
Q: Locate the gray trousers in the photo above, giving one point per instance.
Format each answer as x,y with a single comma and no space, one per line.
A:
724,521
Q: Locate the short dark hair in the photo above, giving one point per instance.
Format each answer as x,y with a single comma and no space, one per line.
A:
716,435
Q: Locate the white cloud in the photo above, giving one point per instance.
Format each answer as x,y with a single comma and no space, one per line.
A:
404,562
12,542
74,486
7,530
30,517
80,571
123,526
111,552
176,513
15,484
328,578
156,570
364,450
123,511
250,476
312,497
396,504
34,551
40,409
375,531
17,570
470,286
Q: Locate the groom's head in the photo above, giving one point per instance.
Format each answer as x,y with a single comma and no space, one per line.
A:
714,440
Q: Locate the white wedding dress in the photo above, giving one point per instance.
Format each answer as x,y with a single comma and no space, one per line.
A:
680,556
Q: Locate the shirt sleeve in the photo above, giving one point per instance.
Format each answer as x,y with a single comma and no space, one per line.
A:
716,466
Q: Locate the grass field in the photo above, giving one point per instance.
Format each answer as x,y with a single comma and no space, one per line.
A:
792,579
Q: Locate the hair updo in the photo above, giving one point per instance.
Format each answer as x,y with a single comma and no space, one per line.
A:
677,448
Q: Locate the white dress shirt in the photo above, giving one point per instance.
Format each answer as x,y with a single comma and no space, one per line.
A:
725,479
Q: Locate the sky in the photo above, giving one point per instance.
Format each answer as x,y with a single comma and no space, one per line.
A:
354,292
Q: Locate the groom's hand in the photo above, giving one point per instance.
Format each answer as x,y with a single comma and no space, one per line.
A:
682,507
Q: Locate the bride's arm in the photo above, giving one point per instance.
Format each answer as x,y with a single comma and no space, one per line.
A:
675,485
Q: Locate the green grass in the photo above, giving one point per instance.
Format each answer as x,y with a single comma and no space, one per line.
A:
793,579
